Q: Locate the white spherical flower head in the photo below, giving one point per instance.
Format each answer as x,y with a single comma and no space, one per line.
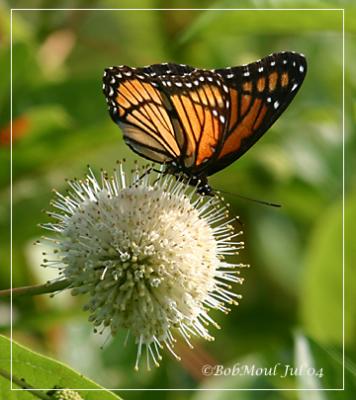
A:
150,253
66,394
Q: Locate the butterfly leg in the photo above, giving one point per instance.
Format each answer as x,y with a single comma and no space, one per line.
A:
148,171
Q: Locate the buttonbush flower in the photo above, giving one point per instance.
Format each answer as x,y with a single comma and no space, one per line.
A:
66,394
150,254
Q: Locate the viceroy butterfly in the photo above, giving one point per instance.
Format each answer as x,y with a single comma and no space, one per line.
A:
198,121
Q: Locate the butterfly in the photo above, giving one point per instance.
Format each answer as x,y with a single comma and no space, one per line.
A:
198,121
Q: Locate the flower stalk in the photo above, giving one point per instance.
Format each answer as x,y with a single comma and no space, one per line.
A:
33,290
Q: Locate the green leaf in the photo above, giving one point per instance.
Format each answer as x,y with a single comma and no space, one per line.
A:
321,299
43,373
312,371
322,367
252,22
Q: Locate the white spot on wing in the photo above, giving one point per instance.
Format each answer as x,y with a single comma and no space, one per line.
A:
301,68
276,104
260,69
294,87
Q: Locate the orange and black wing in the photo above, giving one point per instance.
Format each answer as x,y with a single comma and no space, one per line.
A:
200,120
141,109
258,94
197,108
168,112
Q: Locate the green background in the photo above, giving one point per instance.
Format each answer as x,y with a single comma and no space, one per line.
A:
293,288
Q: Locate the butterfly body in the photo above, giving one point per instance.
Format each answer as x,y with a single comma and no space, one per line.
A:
197,121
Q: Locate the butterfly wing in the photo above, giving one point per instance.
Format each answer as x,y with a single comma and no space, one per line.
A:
201,120
168,112
258,94
141,110
198,109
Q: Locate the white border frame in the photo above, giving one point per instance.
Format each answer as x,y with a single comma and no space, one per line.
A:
343,195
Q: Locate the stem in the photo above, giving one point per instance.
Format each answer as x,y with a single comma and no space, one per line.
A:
24,385
36,289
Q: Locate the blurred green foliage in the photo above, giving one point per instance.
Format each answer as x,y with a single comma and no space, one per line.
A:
61,124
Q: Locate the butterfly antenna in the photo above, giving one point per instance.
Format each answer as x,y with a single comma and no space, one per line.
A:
265,203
